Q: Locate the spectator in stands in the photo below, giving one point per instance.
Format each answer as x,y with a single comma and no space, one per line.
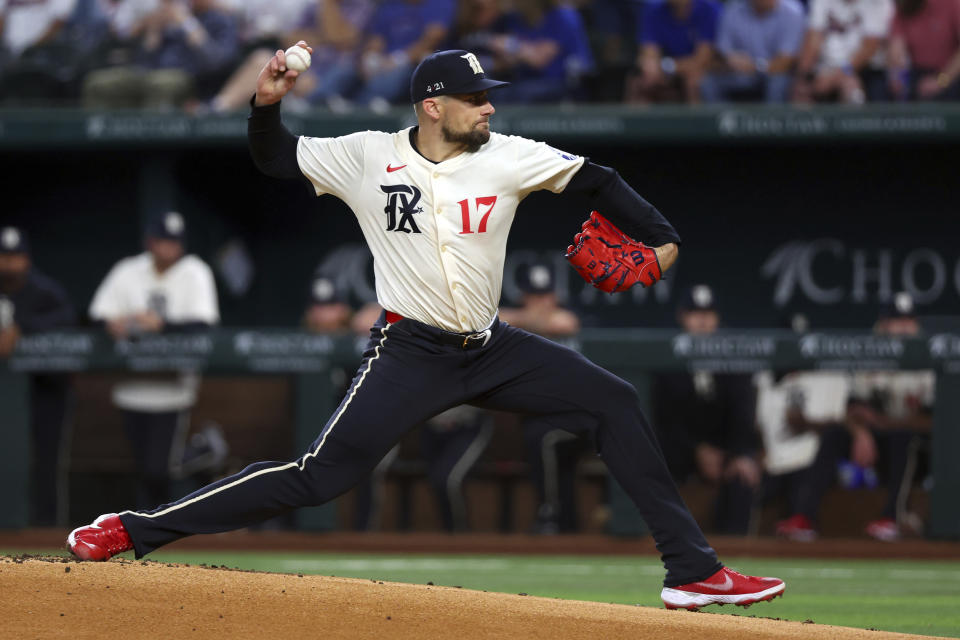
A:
334,28
706,423
263,27
924,54
676,49
842,58
31,302
478,28
185,49
546,52
400,34
611,27
159,291
889,414
110,29
758,42
37,63
552,448
24,25
337,28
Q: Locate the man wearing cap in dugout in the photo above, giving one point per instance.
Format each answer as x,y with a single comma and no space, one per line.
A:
435,203
161,290
31,302
705,422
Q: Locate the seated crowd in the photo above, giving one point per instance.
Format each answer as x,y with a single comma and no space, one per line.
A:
203,55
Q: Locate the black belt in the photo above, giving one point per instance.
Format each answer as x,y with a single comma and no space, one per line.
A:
465,341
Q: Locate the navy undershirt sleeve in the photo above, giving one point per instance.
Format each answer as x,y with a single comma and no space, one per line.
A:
624,207
272,146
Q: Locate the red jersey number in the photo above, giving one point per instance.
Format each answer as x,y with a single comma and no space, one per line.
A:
484,207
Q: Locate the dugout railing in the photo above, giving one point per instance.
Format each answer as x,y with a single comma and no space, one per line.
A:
632,354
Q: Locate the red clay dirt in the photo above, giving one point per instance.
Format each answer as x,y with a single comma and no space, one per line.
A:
58,598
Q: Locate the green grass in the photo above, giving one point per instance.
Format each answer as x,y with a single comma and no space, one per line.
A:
893,595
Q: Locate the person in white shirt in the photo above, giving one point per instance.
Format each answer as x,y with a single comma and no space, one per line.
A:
842,57
792,410
27,24
435,203
887,415
160,290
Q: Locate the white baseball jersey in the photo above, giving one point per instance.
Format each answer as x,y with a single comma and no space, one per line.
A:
898,394
821,395
26,21
438,232
183,293
845,23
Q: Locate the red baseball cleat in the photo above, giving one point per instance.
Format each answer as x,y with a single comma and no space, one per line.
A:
724,587
884,529
102,540
797,528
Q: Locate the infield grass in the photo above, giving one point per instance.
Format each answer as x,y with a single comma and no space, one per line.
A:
893,595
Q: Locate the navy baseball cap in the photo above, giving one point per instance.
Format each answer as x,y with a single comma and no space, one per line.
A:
901,306
14,240
169,226
699,297
446,72
324,290
536,278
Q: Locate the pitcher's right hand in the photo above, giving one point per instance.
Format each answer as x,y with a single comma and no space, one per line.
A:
275,79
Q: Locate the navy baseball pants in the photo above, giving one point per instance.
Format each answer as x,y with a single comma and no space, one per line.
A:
410,372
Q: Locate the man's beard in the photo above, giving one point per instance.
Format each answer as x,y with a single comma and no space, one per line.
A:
473,139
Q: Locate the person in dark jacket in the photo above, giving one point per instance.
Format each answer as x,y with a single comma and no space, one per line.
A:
31,302
705,423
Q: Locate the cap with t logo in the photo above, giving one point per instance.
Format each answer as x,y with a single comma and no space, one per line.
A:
447,72
13,240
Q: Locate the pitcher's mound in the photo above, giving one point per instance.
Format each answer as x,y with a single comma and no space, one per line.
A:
54,597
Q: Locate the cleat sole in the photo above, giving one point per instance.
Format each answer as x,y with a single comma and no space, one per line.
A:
695,601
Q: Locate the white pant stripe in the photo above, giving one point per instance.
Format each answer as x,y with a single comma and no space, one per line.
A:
303,461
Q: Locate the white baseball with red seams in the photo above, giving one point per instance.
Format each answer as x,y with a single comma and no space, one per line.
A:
298,58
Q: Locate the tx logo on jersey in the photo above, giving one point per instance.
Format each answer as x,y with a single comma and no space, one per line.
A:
402,199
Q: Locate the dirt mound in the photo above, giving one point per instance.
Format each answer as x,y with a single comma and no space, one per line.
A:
52,597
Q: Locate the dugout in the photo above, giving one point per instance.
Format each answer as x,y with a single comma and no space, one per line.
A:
826,211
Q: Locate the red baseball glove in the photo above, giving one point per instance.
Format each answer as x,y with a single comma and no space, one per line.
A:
609,259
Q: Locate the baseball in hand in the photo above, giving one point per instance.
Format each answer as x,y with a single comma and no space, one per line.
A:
298,58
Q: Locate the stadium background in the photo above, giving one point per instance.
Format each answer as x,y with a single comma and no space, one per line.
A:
823,211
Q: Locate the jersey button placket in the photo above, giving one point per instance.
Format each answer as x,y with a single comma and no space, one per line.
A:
447,259
449,262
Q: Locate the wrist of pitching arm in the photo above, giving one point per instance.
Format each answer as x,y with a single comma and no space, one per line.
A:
272,147
624,207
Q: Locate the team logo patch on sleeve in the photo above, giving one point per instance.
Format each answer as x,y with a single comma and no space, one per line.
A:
563,154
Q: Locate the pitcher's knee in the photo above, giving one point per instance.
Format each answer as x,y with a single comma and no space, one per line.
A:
334,469
606,388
